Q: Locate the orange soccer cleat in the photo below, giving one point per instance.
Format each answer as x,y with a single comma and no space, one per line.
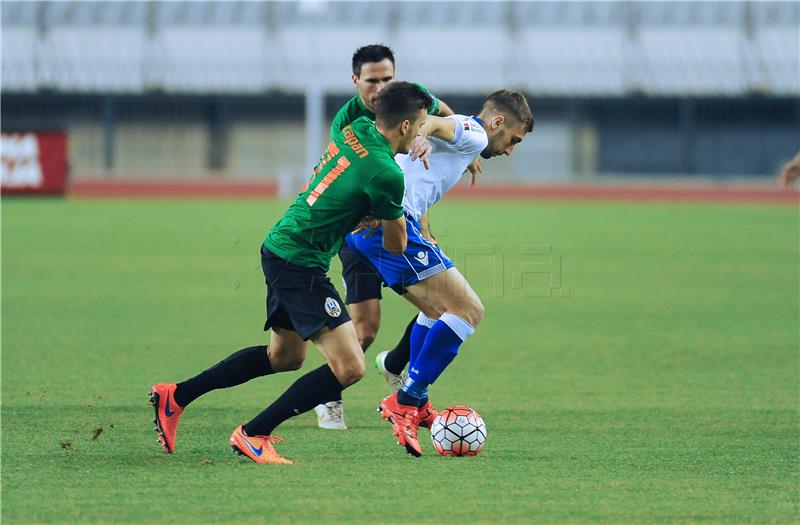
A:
257,448
168,414
426,414
404,423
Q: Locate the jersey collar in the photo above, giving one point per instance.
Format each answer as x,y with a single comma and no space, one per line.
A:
479,121
380,138
364,108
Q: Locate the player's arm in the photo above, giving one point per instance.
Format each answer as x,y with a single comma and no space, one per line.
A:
444,109
437,107
441,128
385,192
425,228
394,235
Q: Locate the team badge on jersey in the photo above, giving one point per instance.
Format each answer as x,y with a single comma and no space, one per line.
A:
332,307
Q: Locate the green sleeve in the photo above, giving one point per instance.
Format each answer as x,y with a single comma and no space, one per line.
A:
339,121
385,192
433,109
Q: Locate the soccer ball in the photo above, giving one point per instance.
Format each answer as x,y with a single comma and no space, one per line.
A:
458,431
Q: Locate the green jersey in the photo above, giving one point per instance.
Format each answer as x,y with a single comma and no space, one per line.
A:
355,108
357,176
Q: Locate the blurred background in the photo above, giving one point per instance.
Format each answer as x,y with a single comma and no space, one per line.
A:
246,90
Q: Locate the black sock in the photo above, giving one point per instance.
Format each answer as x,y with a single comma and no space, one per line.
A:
237,368
307,392
338,397
397,359
405,399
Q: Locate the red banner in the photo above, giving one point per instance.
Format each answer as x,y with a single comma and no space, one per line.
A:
34,162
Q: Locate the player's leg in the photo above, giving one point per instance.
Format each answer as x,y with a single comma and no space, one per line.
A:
363,295
345,366
286,351
313,307
391,364
421,260
366,321
395,360
366,316
447,292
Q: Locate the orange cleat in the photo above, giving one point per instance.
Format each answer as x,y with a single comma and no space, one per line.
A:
257,448
426,415
404,423
168,414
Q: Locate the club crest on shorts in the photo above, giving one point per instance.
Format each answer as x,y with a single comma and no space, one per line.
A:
332,307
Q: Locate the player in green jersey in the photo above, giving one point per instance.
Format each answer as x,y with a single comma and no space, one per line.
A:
357,176
373,67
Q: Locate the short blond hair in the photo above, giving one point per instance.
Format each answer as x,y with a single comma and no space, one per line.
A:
513,104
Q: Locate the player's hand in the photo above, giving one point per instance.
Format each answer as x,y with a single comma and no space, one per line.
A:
368,224
474,169
429,235
421,149
789,173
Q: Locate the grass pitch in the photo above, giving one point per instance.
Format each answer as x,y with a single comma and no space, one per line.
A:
637,363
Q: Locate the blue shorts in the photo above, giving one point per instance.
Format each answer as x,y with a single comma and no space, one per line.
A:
422,258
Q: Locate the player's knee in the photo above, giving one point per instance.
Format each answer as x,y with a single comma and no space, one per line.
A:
350,373
296,363
478,313
473,312
367,331
357,371
366,339
286,363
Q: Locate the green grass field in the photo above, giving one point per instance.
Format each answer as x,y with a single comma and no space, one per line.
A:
658,383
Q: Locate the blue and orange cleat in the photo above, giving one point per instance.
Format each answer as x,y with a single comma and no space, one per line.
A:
257,448
426,414
403,419
168,414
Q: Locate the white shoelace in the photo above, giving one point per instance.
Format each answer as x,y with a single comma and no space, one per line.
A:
335,411
399,380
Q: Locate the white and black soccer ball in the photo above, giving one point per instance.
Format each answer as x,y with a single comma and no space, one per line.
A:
458,431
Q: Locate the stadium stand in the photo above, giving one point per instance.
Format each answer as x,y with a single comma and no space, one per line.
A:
192,88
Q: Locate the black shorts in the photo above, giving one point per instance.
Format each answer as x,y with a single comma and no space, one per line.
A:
361,280
300,299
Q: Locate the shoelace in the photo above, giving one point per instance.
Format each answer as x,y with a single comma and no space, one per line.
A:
400,380
409,426
335,410
271,439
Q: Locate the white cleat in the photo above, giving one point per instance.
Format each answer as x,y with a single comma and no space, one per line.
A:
395,381
330,415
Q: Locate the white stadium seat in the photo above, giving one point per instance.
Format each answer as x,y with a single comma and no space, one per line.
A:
548,48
